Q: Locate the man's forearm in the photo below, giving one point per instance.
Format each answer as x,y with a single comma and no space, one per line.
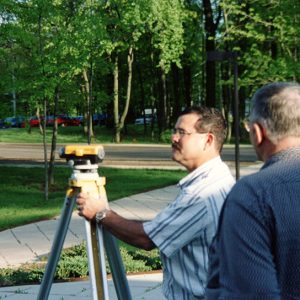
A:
129,231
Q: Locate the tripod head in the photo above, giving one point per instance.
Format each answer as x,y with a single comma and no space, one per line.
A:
82,155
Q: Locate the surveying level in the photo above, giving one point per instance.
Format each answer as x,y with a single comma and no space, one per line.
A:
84,160
93,154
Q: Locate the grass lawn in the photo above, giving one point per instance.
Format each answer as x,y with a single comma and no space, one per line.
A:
102,134
22,190
75,134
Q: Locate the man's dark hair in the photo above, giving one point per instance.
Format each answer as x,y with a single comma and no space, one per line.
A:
210,120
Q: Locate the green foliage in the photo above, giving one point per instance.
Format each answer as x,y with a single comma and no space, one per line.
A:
73,264
150,258
266,34
48,45
165,136
131,264
24,275
166,21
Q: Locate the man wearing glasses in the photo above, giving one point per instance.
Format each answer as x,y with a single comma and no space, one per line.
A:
184,230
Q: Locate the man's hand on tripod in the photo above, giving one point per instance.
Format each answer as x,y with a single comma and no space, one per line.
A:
88,205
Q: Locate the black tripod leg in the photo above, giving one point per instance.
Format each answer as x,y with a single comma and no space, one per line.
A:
56,249
116,266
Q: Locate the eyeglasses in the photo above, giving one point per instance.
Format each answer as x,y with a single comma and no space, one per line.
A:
181,132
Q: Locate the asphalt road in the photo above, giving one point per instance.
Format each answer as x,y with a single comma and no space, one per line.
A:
115,154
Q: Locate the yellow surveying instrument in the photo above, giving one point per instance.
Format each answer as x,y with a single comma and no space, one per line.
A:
84,161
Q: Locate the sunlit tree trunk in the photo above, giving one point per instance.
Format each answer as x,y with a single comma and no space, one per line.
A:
54,140
88,97
162,102
45,151
119,123
116,99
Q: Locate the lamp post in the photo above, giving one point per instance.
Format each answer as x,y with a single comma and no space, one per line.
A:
231,57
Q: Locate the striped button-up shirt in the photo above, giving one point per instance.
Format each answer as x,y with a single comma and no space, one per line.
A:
184,230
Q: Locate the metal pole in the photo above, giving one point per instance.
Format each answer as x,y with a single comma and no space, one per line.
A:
96,260
116,266
59,239
236,120
232,57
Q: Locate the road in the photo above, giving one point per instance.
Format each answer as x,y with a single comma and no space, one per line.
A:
121,154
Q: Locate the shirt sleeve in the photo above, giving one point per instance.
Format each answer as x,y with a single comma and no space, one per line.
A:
177,225
247,269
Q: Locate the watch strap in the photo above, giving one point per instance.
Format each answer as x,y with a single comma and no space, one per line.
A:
100,215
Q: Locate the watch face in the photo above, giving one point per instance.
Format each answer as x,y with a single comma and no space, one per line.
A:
100,215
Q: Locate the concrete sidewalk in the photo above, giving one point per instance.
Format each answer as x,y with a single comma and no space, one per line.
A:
28,243
142,287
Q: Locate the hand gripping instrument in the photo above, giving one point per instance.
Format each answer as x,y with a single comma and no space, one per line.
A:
84,160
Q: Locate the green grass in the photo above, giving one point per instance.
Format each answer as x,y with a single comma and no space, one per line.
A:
22,199
102,134
133,134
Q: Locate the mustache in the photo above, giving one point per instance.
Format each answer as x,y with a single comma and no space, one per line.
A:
175,146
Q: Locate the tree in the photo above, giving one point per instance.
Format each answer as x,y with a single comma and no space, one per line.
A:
266,35
212,16
166,21
125,56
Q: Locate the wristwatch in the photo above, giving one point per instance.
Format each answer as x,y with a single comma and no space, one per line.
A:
100,215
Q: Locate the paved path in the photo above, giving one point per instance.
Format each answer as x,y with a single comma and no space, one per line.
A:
142,287
28,243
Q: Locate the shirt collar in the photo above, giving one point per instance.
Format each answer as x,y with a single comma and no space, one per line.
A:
288,154
200,171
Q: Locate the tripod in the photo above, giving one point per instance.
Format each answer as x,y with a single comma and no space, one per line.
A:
84,161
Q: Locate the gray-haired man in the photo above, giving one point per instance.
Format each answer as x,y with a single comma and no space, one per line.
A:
256,253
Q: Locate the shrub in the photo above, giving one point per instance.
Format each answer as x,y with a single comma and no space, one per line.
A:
73,263
165,136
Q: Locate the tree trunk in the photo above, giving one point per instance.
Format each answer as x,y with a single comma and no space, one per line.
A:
187,76
46,190
54,140
162,112
176,93
164,98
88,97
43,129
210,83
116,99
210,66
120,124
40,121
141,82
227,108
153,94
